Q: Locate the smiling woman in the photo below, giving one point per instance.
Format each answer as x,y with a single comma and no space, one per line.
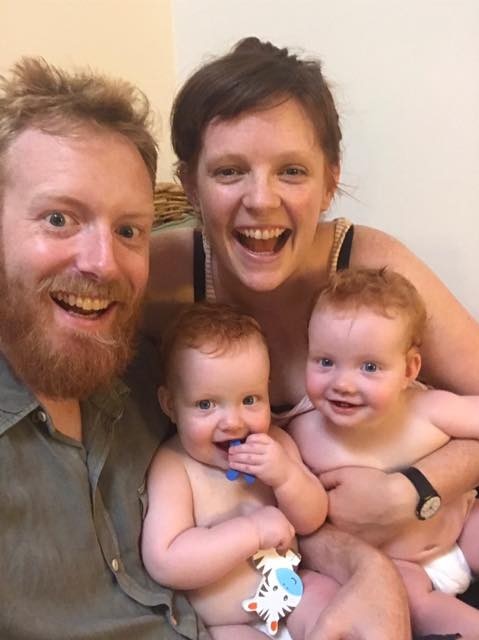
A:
257,137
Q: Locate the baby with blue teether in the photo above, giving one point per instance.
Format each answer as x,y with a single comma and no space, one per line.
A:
228,492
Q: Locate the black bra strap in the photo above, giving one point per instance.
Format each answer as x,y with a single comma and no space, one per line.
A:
198,266
345,251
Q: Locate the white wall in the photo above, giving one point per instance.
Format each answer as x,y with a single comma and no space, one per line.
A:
127,38
406,79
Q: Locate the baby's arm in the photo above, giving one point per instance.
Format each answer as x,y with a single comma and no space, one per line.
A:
274,459
457,416
179,554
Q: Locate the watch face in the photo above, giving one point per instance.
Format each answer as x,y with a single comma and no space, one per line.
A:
430,507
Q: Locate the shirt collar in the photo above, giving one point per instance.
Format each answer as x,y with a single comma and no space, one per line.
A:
17,401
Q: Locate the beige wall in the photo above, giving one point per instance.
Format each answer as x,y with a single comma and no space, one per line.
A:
129,38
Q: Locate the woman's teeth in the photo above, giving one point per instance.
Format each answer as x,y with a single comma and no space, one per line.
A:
263,240
262,234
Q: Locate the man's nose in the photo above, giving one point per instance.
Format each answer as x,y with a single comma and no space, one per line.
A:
261,193
97,253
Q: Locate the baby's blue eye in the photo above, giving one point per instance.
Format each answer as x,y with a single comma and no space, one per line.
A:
57,219
248,400
369,367
204,404
325,362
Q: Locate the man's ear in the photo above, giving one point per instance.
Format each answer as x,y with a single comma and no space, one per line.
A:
188,182
413,364
166,403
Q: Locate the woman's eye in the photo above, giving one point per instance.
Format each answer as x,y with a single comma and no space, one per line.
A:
249,400
295,171
204,405
369,367
57,219
325,362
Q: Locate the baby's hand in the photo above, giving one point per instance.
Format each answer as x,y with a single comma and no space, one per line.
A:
261,456
273,528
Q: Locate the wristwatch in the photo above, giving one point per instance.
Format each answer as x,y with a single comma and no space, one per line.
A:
429,500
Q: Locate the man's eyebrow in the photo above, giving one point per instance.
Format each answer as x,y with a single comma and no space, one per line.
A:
58,198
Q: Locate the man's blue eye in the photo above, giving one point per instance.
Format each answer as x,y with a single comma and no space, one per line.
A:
57,219
248,400
325,362
205,404
370,367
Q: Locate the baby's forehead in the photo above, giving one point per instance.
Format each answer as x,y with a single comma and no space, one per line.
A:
376,322
223,347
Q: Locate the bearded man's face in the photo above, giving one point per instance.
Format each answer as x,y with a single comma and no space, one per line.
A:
76,214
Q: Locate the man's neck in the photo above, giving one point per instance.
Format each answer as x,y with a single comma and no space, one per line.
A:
65,415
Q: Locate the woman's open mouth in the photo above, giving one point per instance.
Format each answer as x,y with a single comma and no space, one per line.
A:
259,240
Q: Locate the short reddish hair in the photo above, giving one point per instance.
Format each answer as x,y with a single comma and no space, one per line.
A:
211,328
382,290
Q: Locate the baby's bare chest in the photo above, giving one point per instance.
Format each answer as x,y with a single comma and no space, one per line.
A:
215,498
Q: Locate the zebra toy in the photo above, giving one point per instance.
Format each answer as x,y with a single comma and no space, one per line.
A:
280,589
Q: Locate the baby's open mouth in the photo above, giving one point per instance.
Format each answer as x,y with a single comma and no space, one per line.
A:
344,405
262,240
224,445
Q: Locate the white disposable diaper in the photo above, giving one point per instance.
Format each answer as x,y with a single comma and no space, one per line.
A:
450,572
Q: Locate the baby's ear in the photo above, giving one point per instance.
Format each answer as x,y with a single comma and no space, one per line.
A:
166,402
413,364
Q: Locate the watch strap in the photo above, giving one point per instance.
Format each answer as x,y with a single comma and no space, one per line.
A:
420,482
429,499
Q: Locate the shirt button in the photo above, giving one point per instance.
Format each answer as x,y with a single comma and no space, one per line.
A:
42,416
115,565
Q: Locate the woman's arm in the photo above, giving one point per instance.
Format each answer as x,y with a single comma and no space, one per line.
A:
372,602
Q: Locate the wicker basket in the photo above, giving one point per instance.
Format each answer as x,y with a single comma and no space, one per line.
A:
171,205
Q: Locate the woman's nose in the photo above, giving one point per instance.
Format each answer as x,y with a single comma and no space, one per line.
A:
261,194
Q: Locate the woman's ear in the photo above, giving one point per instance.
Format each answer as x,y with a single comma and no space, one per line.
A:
413,364
166,403
331,178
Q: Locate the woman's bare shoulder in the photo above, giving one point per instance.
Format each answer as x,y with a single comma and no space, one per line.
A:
171,265
171,279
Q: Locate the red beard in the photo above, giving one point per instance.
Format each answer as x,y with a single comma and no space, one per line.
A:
54,361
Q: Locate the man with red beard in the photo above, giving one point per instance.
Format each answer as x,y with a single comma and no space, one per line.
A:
77,169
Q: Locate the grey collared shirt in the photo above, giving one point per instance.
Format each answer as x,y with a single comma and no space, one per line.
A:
70,522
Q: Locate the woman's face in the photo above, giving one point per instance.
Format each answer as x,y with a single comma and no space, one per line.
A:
260,185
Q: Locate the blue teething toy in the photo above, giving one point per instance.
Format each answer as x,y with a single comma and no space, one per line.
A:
232,474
